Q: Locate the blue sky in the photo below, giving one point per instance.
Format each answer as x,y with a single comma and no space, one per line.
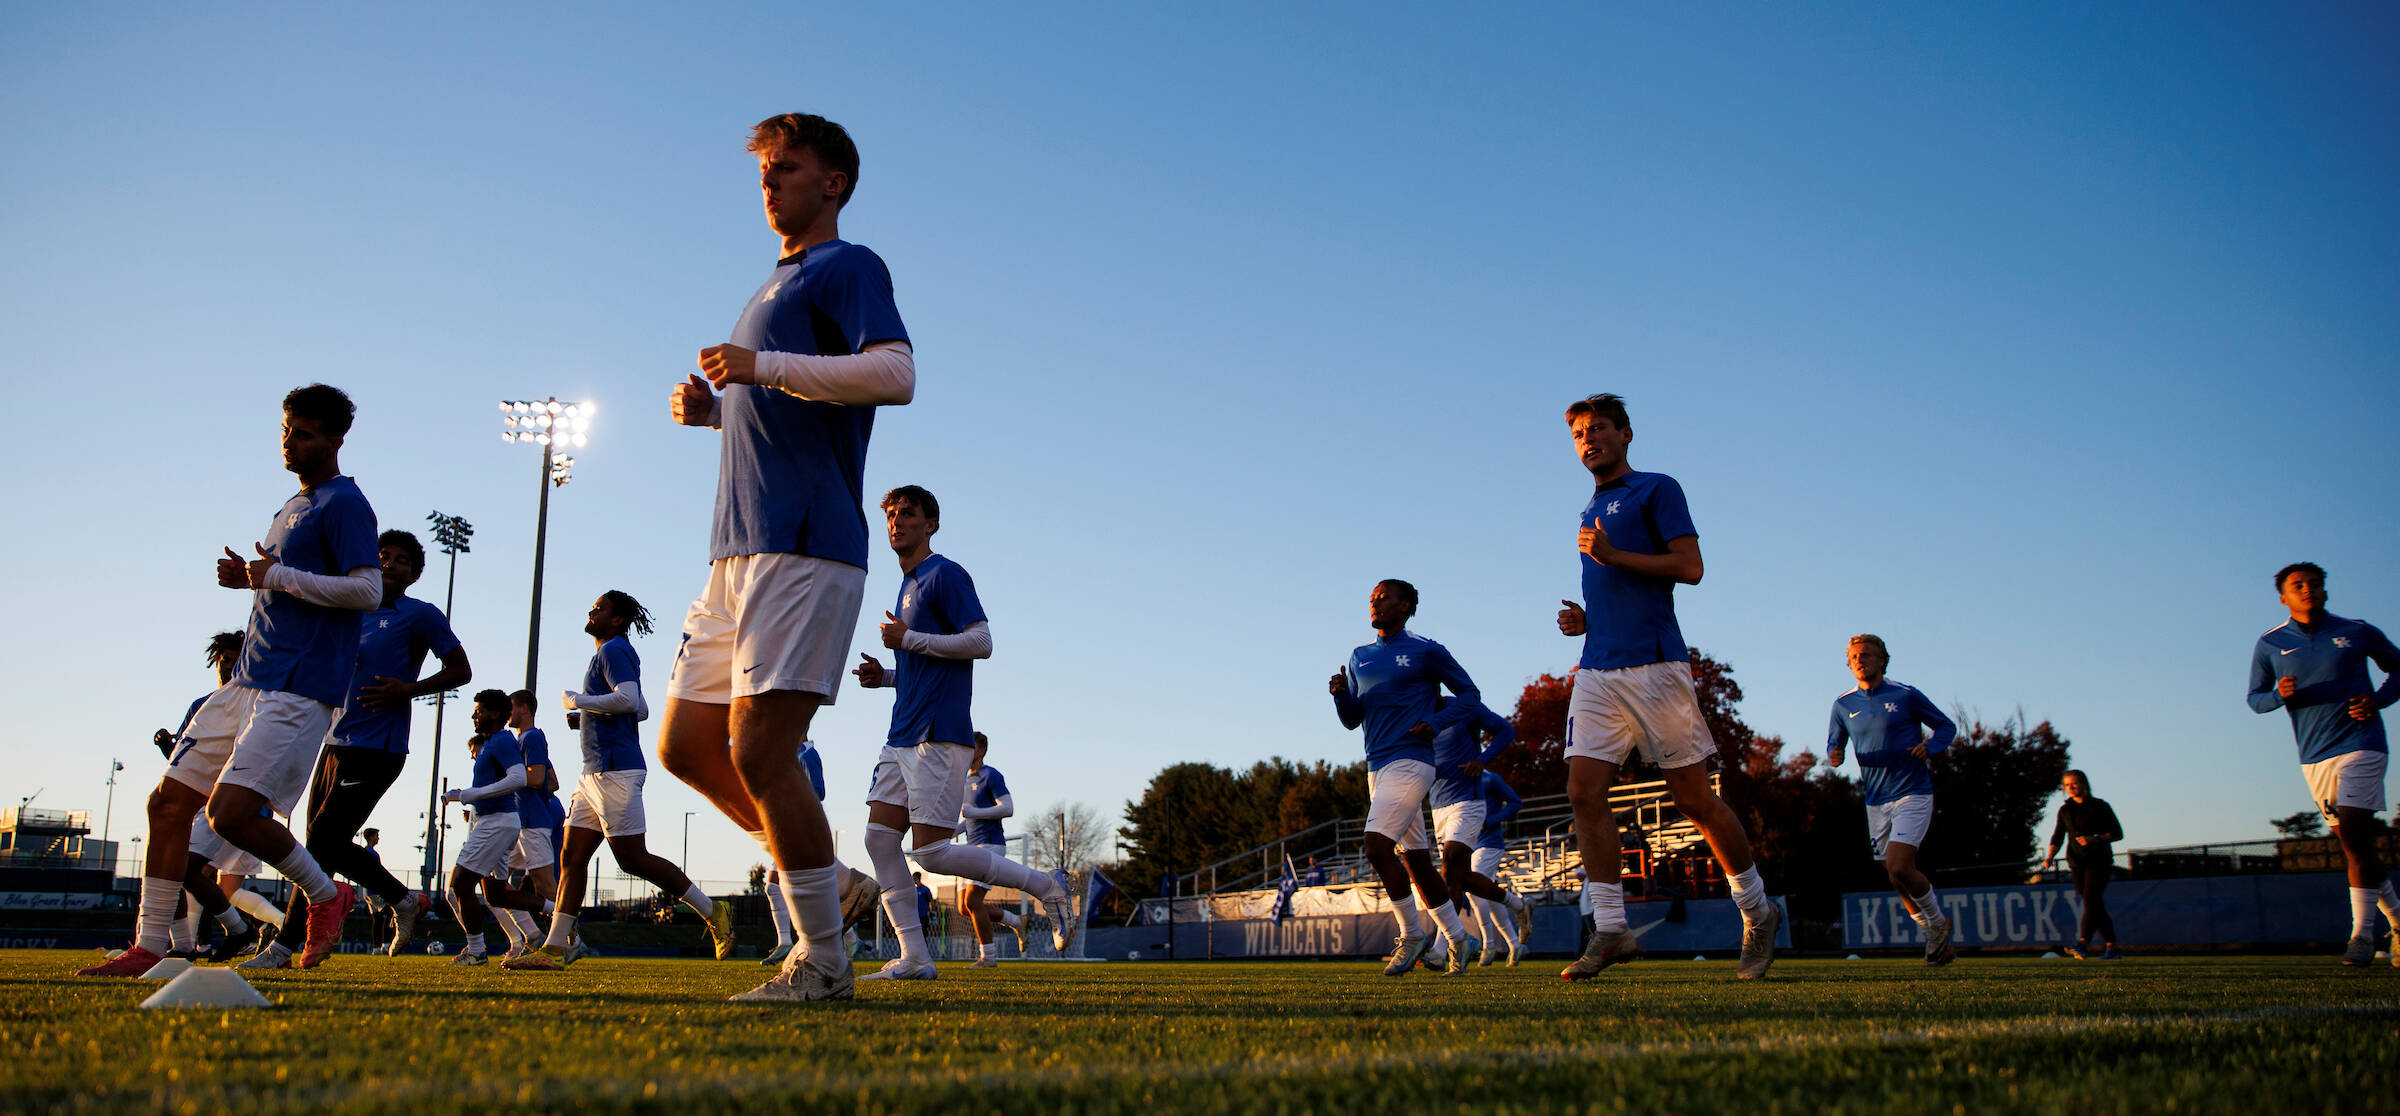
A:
2033,339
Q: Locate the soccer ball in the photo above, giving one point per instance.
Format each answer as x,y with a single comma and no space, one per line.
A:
1134,955
436,948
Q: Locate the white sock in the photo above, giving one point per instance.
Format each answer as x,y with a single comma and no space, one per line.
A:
2389,903
257,906
562,930
474,943
1929,913
1405,909
778,909
231,920
1446,916
301,868
899,891
2362,911
549,906
184,933
699,901
900,909
815,896
1513,901
529,931
982,950
508,927
1010,920
977,863
1608,905
1749,892
1481,908
153,925
1503,923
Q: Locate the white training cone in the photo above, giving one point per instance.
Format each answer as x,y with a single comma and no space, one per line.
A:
1854,957
167,969
207,988
1699,957
2050,956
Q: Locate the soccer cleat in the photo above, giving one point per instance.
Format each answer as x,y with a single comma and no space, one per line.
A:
1406,952
775,956
131,963
860,894
276,955
720,929
465,958
1062,920
1512,953
1463,955
515,950
234,945
1938,950
987,961
800,982
1758,944
404,921
1607,947
2078,950
325,927
185,954
541,959
2360,953
2112,954
577,951
1524,916
899,968
1487,956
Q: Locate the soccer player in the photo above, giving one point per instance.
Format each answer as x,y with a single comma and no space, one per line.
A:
254,743
2090,826
1500,803
499,778
937,633
813,766
987,802
207,890
544,818
1459,756
608,797
369,744
815,351
1392,687
1897,732
1633,687
2314,667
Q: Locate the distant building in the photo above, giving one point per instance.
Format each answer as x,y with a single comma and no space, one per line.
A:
48,860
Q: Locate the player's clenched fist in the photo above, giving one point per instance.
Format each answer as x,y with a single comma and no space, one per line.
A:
1340,683
2286,686
729,364
692,403
869,670
1570,619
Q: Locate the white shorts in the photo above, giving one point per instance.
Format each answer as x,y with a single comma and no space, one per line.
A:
485,851
219,852
1487,862
609,802
1396,801
262,740
1460,823
2349,779
930,779
1653,708
768,622
1902,821
532,849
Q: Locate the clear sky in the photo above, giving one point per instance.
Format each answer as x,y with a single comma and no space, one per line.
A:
2032,339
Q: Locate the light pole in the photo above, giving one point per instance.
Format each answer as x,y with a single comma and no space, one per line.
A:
109,815
686,865
452,532
552,426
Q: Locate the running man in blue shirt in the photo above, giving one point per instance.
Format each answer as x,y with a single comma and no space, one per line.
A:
369,743
214,870
607,803
1392,688
2314,667
543,818
495,794
1895,731
1459,756
814,353
255,743
1500,803
1633,687
988,801
936,633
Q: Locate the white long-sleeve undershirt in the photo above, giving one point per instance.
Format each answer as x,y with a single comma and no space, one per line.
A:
883,374
626,698
360,588
514,780
1001,807
974,643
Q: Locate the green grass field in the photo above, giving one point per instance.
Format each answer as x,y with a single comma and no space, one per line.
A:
2241,1035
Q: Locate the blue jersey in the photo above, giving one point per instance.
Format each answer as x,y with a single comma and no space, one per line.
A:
1879,726
611,741
1455,746
813,767
492,761
985,786
789,471
539,808
1392,684
292,645
937,598
1629,618
2328,666
1500,803
185,724
392,643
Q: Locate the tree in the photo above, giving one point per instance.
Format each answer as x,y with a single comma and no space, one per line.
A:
1067,837
2305,824
1537,763
1193,815
1988,793
758,879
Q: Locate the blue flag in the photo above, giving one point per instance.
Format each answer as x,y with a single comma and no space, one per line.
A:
1093,889
1283,895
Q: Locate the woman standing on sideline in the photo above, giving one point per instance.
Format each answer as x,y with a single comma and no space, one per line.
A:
2093,827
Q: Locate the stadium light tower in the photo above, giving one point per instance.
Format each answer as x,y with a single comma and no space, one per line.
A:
553,426
453,533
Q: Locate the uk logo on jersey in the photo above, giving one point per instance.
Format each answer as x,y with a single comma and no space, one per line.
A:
2341,641
1891,707
908,600
1612,507
1399,660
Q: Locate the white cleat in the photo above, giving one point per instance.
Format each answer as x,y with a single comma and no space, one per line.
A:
1062,920
470,959
986,961
1406,952
799,982
2360,953
275,956
1938,950
404,922
1463,955
1512,953
901,968
1758,944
